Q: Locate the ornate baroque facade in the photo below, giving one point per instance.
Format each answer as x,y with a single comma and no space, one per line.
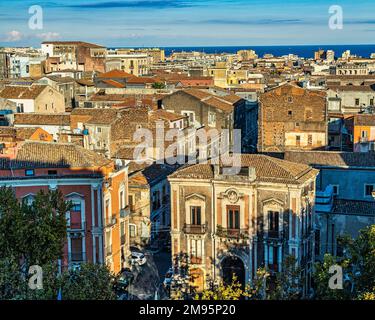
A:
234,224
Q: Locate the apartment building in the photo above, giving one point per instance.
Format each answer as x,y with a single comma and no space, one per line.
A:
35,98
344,195
292,118
95,186
223,224
136,64
74,55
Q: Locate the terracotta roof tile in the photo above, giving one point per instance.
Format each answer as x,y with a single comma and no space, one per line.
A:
267,169
332,159
22,92
53,155
37,119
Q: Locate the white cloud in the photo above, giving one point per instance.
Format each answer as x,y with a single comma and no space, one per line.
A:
48,36
14,36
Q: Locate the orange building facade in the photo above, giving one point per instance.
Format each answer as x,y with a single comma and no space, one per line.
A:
96,188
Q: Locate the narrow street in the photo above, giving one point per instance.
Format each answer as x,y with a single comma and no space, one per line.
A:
148,278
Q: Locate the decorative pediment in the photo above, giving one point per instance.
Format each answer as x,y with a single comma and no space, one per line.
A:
273,202
195,196
75,195
232,195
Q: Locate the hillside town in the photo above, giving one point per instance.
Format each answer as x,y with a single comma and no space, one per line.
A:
174,215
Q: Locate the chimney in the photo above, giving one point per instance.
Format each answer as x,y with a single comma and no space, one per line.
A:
252,174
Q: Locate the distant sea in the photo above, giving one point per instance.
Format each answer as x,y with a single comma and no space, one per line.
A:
306,51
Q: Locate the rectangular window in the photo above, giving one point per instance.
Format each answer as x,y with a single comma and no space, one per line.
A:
212,118
309,139
273,221
336,190
76,249
29,172
196,250
369,188
357,102
76,207
298,140
233,216
122,205
195,215
52,172
132,231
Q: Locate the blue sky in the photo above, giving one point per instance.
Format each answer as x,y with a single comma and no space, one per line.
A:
188,22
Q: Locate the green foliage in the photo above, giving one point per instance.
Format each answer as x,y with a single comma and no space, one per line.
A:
358,265
289,283
234,290
33,234
30,235
362,259
322,276
90,282
158,85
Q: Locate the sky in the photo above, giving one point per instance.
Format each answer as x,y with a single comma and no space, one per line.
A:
163,23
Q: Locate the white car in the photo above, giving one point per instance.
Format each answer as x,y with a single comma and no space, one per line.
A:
138,258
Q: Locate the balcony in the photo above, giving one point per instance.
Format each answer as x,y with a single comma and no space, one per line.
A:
77,257
111,222
195,229
232,233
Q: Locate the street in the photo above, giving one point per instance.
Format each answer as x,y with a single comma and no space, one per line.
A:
148,278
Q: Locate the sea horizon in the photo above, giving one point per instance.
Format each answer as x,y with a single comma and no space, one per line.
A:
305,51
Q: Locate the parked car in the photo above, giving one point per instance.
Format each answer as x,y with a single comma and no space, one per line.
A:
138,258
168,278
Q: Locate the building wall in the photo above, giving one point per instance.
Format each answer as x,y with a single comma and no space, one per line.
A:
288,112
254,244
351,182
50,101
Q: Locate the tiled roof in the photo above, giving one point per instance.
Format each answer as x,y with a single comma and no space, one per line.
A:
166,115
267,169
354,207
364,120
39,119
22,92
115,74
104,116
114,83
332,159
61,79
53,155
150,175
219,104
18,133
224,103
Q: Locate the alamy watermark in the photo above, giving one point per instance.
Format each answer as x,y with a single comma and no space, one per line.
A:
336,19
36,19
36,279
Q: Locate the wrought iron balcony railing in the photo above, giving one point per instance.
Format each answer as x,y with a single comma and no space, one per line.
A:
195,229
